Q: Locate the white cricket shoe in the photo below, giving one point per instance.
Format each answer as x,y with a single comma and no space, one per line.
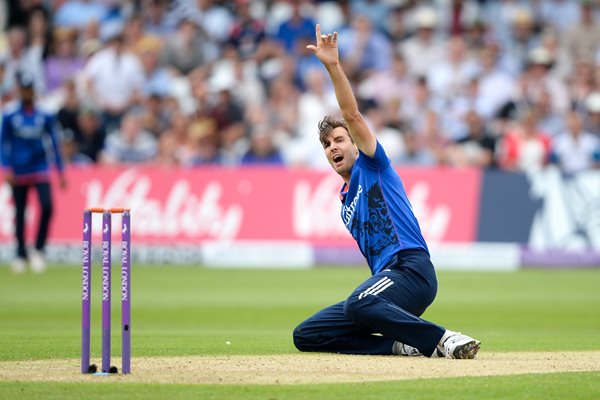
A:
401,349
38,262
18,265
460,346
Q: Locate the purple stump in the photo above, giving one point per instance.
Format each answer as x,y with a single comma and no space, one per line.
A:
106,266
126,292
86,293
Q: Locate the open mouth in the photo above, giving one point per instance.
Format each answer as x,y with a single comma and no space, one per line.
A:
337,158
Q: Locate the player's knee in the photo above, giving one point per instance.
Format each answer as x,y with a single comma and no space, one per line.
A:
46,208
357,309
302,340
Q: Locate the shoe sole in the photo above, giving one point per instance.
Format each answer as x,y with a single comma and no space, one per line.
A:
467,351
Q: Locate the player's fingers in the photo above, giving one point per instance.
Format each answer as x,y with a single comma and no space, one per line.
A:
329,38
334,37
312,48
318,32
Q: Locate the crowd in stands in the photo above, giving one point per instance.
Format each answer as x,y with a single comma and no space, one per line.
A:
511,84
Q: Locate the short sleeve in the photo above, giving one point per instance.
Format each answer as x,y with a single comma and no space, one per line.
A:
378,162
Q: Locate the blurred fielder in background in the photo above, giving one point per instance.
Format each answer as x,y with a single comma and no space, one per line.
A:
376,211
28,136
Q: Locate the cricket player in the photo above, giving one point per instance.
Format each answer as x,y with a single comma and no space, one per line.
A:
27,137
382,315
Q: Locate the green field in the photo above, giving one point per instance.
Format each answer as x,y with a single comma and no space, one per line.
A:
194,311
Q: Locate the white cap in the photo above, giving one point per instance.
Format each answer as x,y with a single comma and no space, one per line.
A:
592,102
540,55
425,17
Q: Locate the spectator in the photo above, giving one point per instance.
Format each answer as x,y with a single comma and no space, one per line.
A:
450,76
501,16
213,19
318,99
524,148
561,62
454,116
539,79
155,114
496,86
18,12
476,149
238,76
89,134
305,63
432,135
397,27
262,149
280,110
549,121
388,84
476,36
158,78
133,33
522,39
581,83
78,13
39,31
576,150
374,10
20,58
389,137
130,144
418,104
559,14
582,39
67,114
458,16
188,48
63,61
6,83
202,144
226,110
247,31
416,153
114,80
70,150
364,49
592,104
155,17
424,49
296,29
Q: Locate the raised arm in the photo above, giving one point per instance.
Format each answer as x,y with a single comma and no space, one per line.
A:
326,50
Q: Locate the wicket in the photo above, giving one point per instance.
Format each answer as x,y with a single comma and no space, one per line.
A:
86,291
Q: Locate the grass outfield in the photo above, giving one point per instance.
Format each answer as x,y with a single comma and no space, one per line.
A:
196,311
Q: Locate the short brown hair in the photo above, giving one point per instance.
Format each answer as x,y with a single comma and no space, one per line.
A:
329,123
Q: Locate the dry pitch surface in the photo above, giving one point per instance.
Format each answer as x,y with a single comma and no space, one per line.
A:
305,368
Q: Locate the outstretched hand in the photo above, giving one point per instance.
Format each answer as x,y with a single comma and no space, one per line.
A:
326,49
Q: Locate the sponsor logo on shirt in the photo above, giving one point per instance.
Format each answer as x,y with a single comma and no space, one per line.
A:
348,211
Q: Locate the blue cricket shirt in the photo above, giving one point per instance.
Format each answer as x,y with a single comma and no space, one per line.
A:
377,212
27,138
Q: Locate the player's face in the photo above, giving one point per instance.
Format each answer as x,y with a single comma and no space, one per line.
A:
26,94
340,150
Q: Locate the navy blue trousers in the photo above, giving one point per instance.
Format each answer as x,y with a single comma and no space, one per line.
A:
383,309
20,199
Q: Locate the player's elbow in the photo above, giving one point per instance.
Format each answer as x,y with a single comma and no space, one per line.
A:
352,116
